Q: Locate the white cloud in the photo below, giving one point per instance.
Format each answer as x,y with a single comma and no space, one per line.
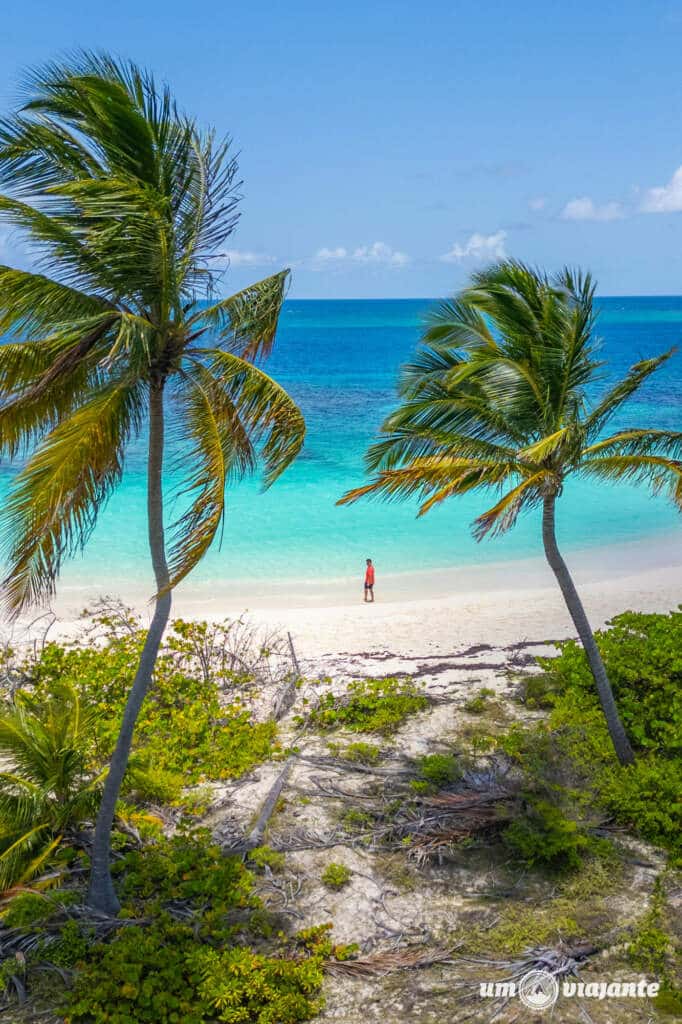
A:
664,198
241,258
537,203
585,208
378,253
326,255
479,248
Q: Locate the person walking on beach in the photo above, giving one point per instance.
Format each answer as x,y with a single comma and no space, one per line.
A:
369,582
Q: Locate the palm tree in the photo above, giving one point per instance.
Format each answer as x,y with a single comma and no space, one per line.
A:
497,399
125,202
46,788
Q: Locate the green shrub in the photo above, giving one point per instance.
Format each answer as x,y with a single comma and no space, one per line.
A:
545,836
479,703
149,784
439,769
370,705
357,821
653,949
364,753
646,797
160,974
262,857
571,750
521,928
240,985
202,968
318,941
188,866
142,975
58,732
71,948
421,786
669,1002
29,908
184,728
643,658
538,692
336,876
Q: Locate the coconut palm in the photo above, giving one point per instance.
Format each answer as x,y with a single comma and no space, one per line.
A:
46,788
497,398
125,203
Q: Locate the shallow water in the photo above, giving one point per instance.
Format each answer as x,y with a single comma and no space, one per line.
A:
340,359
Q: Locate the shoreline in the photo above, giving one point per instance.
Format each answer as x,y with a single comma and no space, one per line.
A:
430,612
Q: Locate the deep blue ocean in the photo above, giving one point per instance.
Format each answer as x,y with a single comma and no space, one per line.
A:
340,360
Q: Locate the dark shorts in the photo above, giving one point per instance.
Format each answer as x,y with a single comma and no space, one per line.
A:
369,586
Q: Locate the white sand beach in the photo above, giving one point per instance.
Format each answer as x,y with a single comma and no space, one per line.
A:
432,612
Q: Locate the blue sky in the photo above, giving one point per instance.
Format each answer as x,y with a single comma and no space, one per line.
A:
389,148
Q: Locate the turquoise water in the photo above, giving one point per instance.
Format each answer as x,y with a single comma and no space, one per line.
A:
339,359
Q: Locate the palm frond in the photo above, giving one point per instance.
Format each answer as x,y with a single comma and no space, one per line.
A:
246,322
273,421
638,441
427,476
54,501
660,474
622,391
406,443
502,516
36,863
548,446
32,304
209,428
456,326
49,788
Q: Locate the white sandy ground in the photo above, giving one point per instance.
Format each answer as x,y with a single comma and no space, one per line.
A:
425,613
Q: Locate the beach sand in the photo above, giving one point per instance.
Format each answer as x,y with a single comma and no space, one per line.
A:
429,613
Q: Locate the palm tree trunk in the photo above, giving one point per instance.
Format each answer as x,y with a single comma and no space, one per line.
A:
101,894
575,607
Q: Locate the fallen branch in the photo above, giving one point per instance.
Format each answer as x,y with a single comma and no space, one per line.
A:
257,833
284,699
380,964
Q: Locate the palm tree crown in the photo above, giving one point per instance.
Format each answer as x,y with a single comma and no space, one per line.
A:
497,398
125,204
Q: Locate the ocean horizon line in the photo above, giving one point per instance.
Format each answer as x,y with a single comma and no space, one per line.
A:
438,298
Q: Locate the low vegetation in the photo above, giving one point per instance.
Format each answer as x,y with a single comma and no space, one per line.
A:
59,721
370,705
439,769
263,858
198,938
567,754
205,950
364,753
195,722
336,876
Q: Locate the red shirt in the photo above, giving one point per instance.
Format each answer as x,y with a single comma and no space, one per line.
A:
369,575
